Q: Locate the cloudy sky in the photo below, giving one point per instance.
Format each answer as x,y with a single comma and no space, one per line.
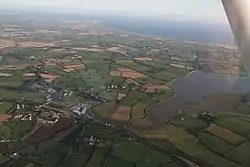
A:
209,9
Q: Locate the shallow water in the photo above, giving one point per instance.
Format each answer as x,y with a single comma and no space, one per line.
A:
194,87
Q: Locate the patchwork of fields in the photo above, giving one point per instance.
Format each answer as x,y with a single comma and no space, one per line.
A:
76,94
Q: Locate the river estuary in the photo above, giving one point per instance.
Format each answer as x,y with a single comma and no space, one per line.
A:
194,87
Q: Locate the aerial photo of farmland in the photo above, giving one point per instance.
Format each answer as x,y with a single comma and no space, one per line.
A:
76,93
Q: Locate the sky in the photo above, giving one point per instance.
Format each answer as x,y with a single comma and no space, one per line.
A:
208,9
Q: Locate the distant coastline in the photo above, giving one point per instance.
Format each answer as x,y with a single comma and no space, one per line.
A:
182,29
214,33
172,27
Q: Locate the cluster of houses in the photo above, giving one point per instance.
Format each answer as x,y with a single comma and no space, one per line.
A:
53,93
80,109
91,141
24,117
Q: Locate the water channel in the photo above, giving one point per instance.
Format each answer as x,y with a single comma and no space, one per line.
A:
194,87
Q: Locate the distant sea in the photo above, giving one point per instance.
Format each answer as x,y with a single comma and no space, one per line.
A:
176,29
171,27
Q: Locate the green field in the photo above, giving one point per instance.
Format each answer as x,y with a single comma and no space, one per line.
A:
10,83
109,95
225,134
142,156
19,95
54,157
241,154
138,111
105,110
133,65
4,107
77,159
235,124
192,123
5,132
133,97
216,160
215,143
20,128
55,71
99,156
165,73
114,162
101,131
183,140
3,158
148,79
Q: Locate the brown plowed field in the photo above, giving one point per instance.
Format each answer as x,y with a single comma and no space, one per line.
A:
143,59
133,75
46,132
122,113
75,67
4,117
154,88
5,74
37,44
